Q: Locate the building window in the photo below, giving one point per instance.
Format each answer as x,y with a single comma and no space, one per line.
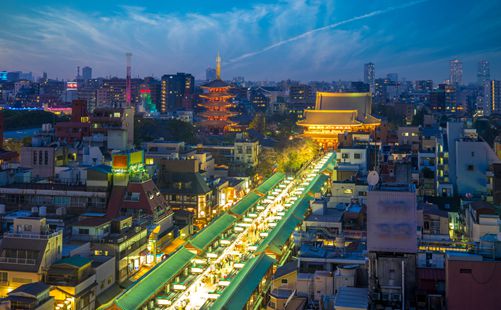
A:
464,270
472,154
346,155
34,157
470,168
357,156
83,231
46,158
284,281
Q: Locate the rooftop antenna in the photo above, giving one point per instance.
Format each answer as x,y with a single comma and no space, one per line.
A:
128,57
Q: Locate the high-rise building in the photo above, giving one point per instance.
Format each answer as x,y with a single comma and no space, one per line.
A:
455,72
492,97
484,72
86,73
177,92
423,85
370,75
393,77
210,74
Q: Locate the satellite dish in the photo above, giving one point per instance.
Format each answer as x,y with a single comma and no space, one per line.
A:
373,178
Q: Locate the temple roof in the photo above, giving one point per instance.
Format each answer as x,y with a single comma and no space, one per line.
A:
336,117
216,84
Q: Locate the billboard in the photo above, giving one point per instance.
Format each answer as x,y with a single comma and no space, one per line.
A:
136,157
392,221
120,161
71,86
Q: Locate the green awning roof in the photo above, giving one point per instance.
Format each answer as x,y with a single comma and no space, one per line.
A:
205,237
245,203
236,295
76,261
302,207
317,185
271,182
330,164
149,284
277,238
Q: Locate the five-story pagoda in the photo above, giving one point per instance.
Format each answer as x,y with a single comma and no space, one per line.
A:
216,103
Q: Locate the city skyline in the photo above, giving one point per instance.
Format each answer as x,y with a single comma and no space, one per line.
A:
258,40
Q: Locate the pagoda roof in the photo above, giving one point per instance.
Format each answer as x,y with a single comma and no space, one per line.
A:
218,83
336,117
216,95
216,123
218,113
215,104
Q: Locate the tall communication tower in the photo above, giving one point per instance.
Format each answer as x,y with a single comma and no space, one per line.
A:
128,81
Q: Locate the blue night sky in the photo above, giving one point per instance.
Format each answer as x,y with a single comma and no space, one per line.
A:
260,40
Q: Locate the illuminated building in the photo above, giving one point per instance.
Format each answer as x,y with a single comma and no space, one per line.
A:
483,72
338,113
370,75
492,97
215,101
455,72
176,92
147,104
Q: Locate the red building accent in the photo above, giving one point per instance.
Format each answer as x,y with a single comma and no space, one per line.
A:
79,125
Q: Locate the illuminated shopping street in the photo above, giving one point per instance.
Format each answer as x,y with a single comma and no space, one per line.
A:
208,269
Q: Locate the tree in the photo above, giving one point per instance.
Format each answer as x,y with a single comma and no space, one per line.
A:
258,123
147,129
298,153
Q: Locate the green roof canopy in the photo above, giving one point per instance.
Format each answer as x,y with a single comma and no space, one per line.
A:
245,203
205,237
236,295
148,285
271,182
77,261
316,186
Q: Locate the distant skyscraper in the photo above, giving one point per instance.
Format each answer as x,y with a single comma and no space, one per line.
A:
393,77
484,72
492,97
210,74
455,72
86,73
370,75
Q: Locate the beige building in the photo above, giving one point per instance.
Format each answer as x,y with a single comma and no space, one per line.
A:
246,153
43,159
27,253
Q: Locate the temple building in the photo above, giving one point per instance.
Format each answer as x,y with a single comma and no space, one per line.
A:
336,114
216,103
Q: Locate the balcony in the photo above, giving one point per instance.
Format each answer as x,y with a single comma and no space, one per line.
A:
42,236
17,260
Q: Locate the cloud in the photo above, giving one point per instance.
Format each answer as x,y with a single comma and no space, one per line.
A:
320,29
300,39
